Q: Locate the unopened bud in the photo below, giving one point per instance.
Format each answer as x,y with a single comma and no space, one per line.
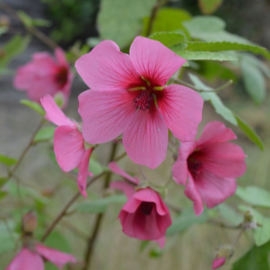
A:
222,254
249,220
29,222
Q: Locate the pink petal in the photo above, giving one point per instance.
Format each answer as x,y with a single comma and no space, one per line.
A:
214,189
180,168
193,194
161,241
84,171
224,159
153,60
26,260
45,64
116,169
61,57
124,187
181,108
146,139
56,257
68,147
24,76
218,262
215,132
54,114
105,68
105,116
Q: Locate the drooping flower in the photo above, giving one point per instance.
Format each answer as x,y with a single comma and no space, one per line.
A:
69,145
45,75
145,216
208,167
129,96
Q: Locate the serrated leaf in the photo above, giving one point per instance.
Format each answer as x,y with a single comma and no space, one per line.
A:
8,161
254,195
44,134
254,81
229,214
121,20
169,38
33,105
251,134
209,6
186,219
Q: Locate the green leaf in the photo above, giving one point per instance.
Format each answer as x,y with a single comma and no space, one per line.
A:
8,161
3,30
95,167
186,219
209,6
100,205
254,81
44,134
214,99
12,48
254,195
227,46
229,214
33,105
255,258
3,181
167,19
3,194
121,20
169,38
58,241
251,134
7,237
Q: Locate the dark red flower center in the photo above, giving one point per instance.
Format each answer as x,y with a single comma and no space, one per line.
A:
146,208
143,100
195,166
61,76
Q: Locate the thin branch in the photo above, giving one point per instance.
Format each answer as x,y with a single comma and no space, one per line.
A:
152,17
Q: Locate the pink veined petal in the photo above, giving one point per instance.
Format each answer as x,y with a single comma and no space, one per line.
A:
153,60
181,108
60,57
105,68
214,189
84,171
193,194
116,169
161,241
68,147
180,168
215,132
105,115
224,159
54,113
26,260
56,257
218,262
146,139
124,187
131,205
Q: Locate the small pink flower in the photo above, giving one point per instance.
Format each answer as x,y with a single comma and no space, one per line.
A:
218,262
33,259
211,165
45,75
144,216
69,145
129,96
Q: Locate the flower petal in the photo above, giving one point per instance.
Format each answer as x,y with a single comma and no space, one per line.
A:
124,187
153,60
181,108
105,115
146,139
24,77
54,113
161,241
116,169
218,262
84,171
26,260
105,68
61,57
56,257
68,147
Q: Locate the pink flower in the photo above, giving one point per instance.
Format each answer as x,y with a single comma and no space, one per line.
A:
69,144
211,165
218,262
45,75
33,259
129,96
144,216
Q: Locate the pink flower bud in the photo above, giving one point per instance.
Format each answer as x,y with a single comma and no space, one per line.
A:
218,262
29,222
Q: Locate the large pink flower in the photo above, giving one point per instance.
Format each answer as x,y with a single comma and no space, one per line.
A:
45,75
69,146
211,165
129,96
144,216
33,259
